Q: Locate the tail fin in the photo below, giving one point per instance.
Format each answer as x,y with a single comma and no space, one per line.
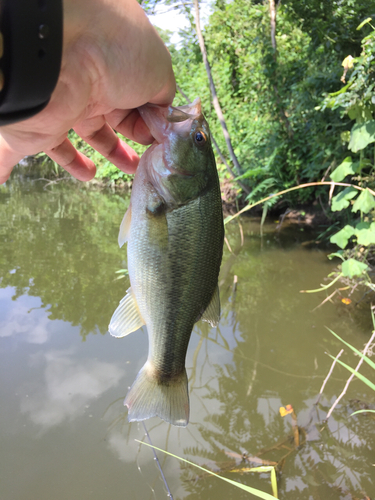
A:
148,397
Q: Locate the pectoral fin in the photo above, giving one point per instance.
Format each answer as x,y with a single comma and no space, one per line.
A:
125,227
126,318
212,313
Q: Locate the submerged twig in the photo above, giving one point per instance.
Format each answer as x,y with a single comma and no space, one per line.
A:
327,377
325,300
367,346
250,388
278,227
157,461
295,429
228,245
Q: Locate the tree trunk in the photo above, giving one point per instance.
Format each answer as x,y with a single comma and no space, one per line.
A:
215,99
273,23
283,115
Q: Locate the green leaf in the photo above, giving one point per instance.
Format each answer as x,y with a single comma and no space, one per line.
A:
359,353
357,374
353,267
365,202
342,200
354,112
363,23
342,237
361,135
336,254
253,491
341,91
347,167
365,233
362,411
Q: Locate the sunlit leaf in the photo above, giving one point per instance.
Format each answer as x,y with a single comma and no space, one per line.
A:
361,135
353,267
347,167
363,23
285,411
365,202
341,91
342,237
365,233
348,62
342,200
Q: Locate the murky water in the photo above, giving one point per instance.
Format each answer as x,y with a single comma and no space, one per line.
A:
64,434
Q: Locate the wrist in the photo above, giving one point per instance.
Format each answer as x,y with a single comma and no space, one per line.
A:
32,40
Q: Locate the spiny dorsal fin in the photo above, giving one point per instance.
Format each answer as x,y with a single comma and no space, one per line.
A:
125,227
126,318
212,313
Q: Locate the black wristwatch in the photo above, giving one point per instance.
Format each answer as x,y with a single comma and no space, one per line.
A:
31,33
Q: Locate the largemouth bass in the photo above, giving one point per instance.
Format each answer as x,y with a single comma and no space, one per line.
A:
174,230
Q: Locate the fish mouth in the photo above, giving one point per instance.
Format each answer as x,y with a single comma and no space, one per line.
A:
161,119
188,112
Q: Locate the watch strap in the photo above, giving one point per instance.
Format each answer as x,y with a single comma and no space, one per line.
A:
31,33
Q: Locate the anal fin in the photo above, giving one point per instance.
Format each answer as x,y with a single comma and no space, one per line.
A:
212,313
126,318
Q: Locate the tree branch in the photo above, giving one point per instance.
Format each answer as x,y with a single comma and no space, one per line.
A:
215,99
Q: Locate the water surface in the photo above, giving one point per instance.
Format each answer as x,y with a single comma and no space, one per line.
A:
63,427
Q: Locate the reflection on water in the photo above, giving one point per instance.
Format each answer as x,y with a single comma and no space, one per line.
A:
63,426
70,385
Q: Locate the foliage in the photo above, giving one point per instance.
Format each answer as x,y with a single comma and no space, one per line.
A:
272,101
355,100
256,87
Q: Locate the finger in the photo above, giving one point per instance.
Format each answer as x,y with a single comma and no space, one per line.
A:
102,137
8,159
131,125
168,92
74,162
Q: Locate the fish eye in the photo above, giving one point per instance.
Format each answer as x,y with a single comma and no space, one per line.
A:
200,138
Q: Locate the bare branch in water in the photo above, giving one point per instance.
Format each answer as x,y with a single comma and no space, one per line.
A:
367,346
157,461
329,374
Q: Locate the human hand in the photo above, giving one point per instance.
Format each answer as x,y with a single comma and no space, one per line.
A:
113,61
